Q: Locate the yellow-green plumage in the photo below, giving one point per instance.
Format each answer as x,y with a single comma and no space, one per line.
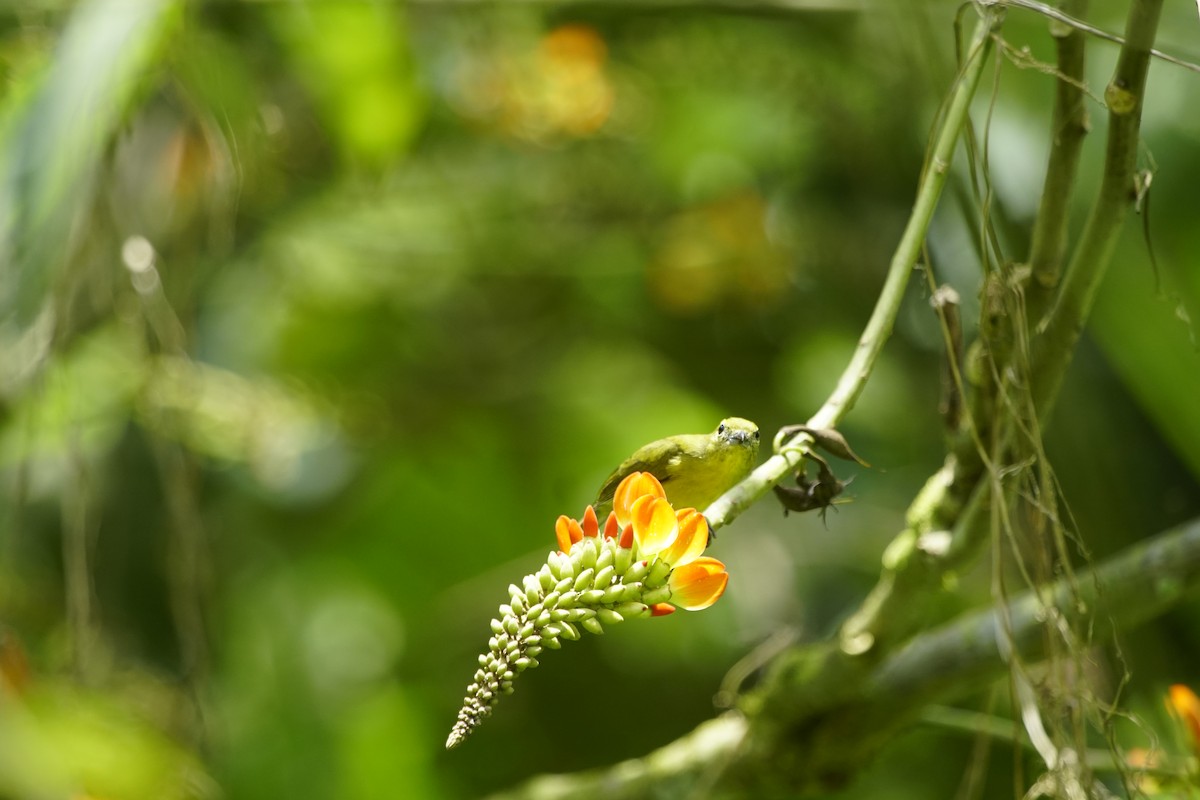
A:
694,469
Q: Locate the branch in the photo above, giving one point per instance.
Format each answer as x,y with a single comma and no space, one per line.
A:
883,317
953,498
794,737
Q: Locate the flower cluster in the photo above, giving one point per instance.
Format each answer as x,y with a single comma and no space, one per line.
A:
645,562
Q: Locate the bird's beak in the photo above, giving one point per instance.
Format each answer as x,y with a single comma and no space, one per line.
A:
740,436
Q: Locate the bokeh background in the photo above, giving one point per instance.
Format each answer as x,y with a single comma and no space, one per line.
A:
313,317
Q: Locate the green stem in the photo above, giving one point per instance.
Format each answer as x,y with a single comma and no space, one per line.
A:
1069,126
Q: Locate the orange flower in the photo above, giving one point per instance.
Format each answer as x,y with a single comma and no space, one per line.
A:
1184,703
655,526
699,584
635,486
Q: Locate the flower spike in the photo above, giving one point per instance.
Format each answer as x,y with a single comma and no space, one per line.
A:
647,562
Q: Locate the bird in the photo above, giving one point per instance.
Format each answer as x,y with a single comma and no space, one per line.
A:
694,469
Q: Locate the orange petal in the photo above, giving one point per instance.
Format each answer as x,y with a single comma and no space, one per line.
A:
575,530
691,541
591,526
654,524
635,485
611,527
562,532
699,584
661,609
1186,705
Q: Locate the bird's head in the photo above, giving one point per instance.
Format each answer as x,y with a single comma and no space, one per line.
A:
737,431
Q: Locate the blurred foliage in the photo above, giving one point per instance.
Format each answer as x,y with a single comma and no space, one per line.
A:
313,317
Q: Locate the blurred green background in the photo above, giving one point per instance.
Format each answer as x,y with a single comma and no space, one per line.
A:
313,317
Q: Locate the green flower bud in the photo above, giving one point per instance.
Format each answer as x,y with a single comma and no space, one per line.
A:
660,595
560,566
607,616
659,571
605,558
584,580
617,593
587,553
592,625
622,560
604,577
591,597
636,572
633,610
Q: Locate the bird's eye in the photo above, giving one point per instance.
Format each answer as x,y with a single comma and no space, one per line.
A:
756,434
720,429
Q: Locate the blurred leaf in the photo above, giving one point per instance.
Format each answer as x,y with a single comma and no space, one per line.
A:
354,58
78,408
63,741
258,423
49,163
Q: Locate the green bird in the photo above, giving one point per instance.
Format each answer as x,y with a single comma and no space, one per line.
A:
694,469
